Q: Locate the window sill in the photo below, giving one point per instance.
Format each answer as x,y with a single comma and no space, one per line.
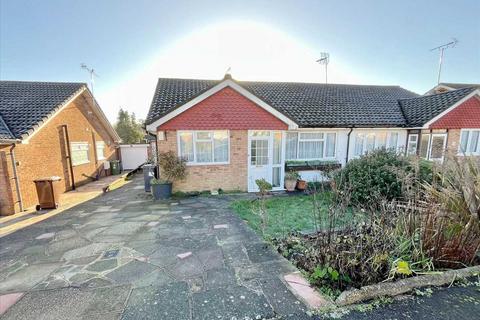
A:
193,164
79,164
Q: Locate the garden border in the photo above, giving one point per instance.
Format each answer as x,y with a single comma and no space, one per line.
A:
403,286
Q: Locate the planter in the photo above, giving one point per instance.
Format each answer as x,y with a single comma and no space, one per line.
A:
161,190
301,184
290,185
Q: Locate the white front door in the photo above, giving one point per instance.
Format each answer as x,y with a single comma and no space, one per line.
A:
265,158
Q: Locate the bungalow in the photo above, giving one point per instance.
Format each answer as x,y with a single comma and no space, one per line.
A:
49,129
234,132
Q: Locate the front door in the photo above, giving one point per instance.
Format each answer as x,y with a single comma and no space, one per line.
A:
265,158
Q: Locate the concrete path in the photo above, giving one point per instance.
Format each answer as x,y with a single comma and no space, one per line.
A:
67,200
124,256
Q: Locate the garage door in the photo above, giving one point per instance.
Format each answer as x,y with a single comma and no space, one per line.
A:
133,155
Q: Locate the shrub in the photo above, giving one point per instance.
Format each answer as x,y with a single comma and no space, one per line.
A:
380,175
292,175
172,168
452,217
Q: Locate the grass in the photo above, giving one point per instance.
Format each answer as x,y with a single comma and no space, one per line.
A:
285,214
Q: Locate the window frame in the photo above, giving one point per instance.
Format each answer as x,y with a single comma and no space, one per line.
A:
375,134
80,143
469,142
194,143
102,144
444,147
324,140
416,135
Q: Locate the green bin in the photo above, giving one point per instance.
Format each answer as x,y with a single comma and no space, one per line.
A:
115,167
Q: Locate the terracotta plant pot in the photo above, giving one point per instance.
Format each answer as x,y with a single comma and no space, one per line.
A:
301,184
290,185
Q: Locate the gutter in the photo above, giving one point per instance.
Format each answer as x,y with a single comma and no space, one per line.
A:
15,177
348,144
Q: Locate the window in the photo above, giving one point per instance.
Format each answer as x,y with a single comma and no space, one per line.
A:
469,142
204,147
100,147
437,146
412,144
424,145
432,146
310,145
366,142
79,153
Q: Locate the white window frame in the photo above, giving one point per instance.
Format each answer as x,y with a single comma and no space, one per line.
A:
80,143
324,140
469,142
194,142
375,134
443,148
429,149
413,142
100,144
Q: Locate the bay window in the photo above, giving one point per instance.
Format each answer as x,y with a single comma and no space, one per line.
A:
204,147
310,145
469,142
369,141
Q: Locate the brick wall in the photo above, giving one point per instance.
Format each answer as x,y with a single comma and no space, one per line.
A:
211,177
44,155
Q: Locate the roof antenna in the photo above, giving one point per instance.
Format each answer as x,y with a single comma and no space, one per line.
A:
228,73
92,74
324,59
441,49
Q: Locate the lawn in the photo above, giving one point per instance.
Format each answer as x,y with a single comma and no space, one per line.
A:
285,213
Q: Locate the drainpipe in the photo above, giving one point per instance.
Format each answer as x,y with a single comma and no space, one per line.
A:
15,177
348,144
69,155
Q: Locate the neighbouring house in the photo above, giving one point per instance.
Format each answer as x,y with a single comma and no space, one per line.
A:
449,86
234,132
49,129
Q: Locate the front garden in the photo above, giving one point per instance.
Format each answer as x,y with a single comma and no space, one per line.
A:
384,217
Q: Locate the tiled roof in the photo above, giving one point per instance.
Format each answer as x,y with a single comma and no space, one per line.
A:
23,105
420,110
5,133
460,85
308,104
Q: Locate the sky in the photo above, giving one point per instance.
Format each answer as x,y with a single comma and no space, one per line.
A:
130,44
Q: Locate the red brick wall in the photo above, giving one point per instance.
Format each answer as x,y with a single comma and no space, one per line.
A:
226,109
466,115
44,155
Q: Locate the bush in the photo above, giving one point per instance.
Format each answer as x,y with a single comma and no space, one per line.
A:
172,168
372,177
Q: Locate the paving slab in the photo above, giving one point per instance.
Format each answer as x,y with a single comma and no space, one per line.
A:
167,302
27,277
130,272
68,303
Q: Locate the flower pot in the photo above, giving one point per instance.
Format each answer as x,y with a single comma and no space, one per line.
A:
301,184
161,190
290,185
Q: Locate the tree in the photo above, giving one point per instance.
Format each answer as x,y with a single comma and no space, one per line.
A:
128,128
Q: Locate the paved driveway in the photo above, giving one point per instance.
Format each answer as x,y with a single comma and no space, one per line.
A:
124,256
